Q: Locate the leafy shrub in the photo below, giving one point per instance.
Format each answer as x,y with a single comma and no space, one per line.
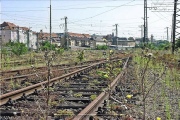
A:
46,45
93,97
17,48
102,47
78,95
59,51
177,44
61,113
81,56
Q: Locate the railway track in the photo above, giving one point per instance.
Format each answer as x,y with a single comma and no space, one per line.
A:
20,81
16,73
6,99
30,89
90,110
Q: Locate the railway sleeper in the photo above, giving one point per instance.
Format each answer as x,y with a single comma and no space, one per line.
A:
71,106
10,113
24,97
131,101
10,102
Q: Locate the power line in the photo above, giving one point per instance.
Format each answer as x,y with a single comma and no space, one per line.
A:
104,12
94,7
33,10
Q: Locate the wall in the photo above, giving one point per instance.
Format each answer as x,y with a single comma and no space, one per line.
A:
131,43
100,43
122,43
14,36
22,36
6,35
72,42
32,40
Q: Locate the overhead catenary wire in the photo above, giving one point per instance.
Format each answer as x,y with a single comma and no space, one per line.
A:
33,10
104,12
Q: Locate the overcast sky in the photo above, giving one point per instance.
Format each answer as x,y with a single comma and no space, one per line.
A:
90,16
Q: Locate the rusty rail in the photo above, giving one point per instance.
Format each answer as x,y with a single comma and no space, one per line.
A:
41,73
2,73
90,109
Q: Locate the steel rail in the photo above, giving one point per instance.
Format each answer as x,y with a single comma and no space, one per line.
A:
14,95
90,109
41,73
2,73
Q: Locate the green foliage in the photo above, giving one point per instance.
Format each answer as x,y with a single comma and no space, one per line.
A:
50,89
101,47
78,95
61,101
177,44
93,97
14,85
61,113
46,45
81,56
103,74
53,103
17,48
159,45
59,51
95,82
168,109
5,51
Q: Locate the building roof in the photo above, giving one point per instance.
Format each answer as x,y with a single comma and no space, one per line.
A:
12,26
78,36
47,35
87,35
24,28
99,38
131,38
75,35
8,26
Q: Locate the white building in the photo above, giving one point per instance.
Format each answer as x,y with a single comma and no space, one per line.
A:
11,32
32,40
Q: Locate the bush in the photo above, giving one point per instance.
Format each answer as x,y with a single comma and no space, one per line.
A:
59,51
46,45
102,47
177,44
17,48
80,56
93,97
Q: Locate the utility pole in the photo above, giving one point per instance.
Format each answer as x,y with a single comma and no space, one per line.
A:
116,36
147,26
18,34
37,35
65,33
141,30
1,48
174,26
145,22
167,33
145,36
27,38
174,32
50,26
